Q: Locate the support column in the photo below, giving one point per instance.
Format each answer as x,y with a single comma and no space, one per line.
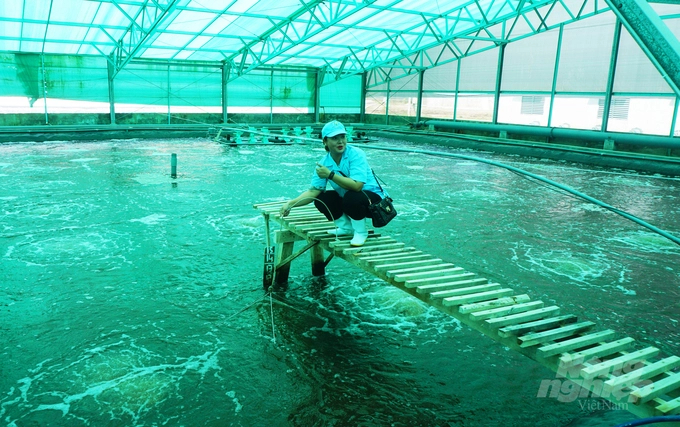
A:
676,113
610,79
419,106
226,70
285,243
499,78
362,109
169,94
318,79
112,108
553,88
271,97
387,104
455,95
44,84
318,262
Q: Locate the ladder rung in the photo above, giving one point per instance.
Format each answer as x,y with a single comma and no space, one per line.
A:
538,325
496,303
535,338
580,357
482,296
574,343
627,361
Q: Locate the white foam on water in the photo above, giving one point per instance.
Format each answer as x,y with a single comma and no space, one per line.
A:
626,291
646,241
151,219
293,164
589,207
255,221
415,167
120,379
579,269
238,406
364,305
246,152
84,160
414,212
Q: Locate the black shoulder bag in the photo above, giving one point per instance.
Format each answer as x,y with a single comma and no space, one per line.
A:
383,211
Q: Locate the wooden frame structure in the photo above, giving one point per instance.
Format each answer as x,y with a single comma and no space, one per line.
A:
629,374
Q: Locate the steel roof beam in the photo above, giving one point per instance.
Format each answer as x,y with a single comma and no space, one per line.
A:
284,35
452,36
139,31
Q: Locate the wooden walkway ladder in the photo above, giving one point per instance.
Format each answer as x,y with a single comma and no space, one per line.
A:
627,373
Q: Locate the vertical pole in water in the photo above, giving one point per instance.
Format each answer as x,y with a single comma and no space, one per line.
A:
318,263
173,165
269,257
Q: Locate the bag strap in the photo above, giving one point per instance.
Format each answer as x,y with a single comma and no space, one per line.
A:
369,199
377,180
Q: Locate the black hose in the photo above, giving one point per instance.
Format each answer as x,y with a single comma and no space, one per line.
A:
539,178
652,420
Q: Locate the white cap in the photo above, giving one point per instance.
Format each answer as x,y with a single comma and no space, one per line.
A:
332,128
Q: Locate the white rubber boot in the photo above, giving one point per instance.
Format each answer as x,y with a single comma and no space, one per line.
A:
360,232
343,227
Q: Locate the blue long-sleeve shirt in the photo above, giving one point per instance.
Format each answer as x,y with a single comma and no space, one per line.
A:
353,164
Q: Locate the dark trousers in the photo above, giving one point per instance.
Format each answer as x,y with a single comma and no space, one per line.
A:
354,204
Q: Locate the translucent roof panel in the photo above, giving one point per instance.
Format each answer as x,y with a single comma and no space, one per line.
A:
346,36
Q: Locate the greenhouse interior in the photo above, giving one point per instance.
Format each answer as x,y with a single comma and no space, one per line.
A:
152,151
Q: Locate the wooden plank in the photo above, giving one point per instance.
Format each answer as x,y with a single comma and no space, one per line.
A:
368,256
578,358
656,389
459,281
420,266
466,291
643,373
392,254
396,267
453,281
537,325
263,205
482,296
616,364
302,213
535,338
397,258
574,343
443,291
433,272
670,407
505,311
312,226
307,219
341,244
500,302
367,247
527,316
